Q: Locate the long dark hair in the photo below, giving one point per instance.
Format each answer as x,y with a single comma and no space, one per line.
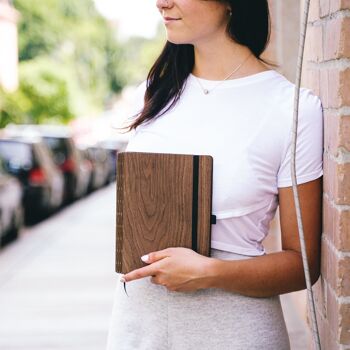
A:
249,25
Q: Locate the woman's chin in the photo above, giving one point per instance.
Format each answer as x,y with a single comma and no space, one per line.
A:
177,41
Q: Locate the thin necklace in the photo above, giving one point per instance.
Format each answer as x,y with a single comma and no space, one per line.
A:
207,91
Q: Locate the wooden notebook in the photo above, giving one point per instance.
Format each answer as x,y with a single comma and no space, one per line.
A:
163,200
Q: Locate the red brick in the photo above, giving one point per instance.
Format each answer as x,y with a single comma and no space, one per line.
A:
311,80
334,269
328,178
331,132
320,296
342,235
335,87
336,38
343,184
314,12
337,181
336,226
313,44
338,317
324,8
329,223
327,338
328,265
325,261
344,137
332,311
344,277
338,88
336,132
344,321
324,88
344,87
337,5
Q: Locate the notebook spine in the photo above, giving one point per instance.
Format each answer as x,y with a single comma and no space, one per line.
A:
195,203
119,224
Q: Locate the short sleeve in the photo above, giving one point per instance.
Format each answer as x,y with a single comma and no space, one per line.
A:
309,151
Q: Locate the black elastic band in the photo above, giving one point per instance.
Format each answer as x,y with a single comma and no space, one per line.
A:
195,202
125,288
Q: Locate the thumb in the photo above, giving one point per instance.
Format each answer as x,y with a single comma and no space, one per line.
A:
155,256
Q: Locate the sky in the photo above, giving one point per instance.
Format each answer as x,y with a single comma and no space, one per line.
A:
138,17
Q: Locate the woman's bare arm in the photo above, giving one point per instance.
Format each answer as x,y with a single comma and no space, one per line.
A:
280,272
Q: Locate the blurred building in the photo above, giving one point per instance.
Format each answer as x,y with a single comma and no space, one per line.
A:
8,46
283,47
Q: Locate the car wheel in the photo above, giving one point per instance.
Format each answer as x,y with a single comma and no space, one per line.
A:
17,222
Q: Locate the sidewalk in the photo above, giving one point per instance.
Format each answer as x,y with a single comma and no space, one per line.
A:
57,282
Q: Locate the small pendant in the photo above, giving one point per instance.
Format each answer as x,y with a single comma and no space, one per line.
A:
206,92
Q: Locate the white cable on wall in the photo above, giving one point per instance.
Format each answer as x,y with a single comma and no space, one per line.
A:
311,303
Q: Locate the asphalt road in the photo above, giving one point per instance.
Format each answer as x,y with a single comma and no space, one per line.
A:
57,281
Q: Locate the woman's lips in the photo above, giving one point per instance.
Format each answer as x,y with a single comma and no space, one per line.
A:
170,19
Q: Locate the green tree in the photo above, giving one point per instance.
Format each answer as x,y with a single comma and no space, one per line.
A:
139,54
71,62
40,27
42,97
77,40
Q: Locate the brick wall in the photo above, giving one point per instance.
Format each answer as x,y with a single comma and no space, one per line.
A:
327,73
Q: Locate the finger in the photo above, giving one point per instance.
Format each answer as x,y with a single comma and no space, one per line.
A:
155,256
155,280
140,273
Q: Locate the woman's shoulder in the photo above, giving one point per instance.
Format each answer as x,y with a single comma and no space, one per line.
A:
284,91
287,89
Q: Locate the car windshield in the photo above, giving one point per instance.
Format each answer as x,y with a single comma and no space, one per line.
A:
59,148
17,154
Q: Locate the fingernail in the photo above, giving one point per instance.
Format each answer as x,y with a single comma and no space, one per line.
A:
122,279
145,257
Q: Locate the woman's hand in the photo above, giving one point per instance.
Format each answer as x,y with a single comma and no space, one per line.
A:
178,269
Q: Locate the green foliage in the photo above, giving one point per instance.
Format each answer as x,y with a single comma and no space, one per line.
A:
71,62
139,54
42,96
72,32
44,25
40,27
45,84
12,107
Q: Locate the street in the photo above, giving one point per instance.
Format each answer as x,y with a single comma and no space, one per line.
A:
57,281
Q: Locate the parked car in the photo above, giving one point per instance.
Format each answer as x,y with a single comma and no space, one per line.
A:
87,166
112,146
100,164
68,158
29,159
11,210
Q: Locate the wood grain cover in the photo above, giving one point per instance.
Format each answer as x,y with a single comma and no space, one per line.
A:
155,198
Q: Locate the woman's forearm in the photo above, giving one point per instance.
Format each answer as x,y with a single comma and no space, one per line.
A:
262,276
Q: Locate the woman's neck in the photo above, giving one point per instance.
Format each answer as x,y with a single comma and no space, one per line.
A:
216,62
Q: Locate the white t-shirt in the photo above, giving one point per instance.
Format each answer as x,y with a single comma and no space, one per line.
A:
245,125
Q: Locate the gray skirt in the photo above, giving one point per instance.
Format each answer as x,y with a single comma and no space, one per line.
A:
153,318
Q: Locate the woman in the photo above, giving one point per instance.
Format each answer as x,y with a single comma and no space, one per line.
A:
210,93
